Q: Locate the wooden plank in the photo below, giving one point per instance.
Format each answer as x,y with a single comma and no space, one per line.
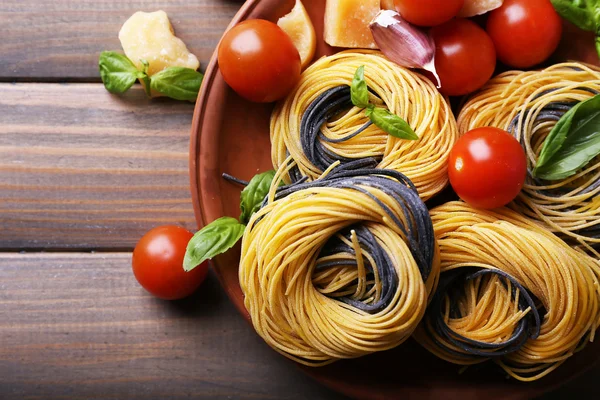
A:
81,168
61,39
76,326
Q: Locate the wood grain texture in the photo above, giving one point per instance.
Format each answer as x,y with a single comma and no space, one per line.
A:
81,168
76,326
61,39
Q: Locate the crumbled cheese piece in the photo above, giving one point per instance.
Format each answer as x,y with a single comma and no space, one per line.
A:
150,36
347,23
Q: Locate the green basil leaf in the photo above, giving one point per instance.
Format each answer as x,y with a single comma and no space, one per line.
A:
177,82
583,13
390,123
214,239
143,75
118,73
253,195
145,65
573,142
359,92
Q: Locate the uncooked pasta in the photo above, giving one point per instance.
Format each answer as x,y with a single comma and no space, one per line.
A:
339,267
528,105
509,291
344,259
317,124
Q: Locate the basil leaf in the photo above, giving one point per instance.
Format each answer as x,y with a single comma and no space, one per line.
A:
177,82
143,75
390,123
359,93
253,195
118,73
573,142
583,13
145,65
214,239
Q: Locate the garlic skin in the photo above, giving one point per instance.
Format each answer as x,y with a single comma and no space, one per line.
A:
404,43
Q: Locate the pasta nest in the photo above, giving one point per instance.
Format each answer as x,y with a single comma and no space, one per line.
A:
509,291
339,131
339,267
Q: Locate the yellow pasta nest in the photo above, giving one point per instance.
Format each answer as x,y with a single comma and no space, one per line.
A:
562,282
405,93
340,267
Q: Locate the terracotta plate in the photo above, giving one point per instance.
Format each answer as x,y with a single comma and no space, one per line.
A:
231,135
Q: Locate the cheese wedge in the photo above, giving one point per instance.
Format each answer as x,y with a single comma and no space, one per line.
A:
347,23
298,26
149,36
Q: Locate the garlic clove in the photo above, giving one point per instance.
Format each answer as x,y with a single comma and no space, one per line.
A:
404,43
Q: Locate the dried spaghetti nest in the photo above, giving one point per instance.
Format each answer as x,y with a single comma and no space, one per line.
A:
528,105
317,124
510,292
339,267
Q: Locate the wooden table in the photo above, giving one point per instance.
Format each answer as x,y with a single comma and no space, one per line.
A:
83,174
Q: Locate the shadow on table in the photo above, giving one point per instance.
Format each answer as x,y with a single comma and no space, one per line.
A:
208,300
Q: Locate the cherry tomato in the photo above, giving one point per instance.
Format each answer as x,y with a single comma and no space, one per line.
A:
259,61
158,263
428,12
487,167
525,32
465,58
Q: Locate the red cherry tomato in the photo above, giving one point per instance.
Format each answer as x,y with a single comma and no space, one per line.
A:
487,167
428,12
465,58
158,263
525,32
259,61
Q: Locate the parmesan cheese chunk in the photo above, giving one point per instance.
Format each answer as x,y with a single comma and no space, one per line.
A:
149,36
347,23
299,27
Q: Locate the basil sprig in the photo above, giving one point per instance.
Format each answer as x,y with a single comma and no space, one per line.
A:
215,238
390,123
573,142
177,82
359,92
145,77
382,118
118,74
222,234
583,13
253,195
